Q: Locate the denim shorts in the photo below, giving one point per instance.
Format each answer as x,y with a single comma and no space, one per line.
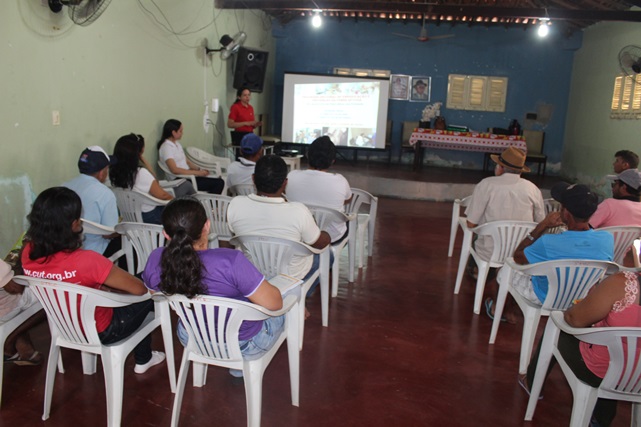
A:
257,345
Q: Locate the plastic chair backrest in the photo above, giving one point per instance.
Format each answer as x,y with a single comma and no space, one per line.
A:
506,236
242,189
163,167
130,203
70,309
271,255
212,324
624,237
569,279
208,161
622,379
216,208
326,216
408,129
551,205
362,198
534,141
143,238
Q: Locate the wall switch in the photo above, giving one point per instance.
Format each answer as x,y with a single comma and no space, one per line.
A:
214,105
55,118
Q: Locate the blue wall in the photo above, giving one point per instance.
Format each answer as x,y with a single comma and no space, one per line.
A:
539,70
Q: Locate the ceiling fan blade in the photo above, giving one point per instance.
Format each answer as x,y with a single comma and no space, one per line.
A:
404,35
445,36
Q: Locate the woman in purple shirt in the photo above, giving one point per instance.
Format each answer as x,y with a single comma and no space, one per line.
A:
187,266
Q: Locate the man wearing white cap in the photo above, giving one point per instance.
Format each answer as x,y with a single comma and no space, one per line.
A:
624,208
98,201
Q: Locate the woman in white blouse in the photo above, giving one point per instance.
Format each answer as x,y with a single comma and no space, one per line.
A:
131,174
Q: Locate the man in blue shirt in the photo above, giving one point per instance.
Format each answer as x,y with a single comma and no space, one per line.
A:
580,241
98,201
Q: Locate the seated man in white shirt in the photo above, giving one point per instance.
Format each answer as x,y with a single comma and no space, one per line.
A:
241,171
318,186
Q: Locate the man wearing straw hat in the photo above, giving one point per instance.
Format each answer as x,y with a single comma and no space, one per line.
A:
505,196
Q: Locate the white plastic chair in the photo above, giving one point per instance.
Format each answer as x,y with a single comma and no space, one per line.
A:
90,227
624,238
141,239
205,160
551,205
130,203
568,280
213,173
456,214
213,324
506,236
621,381
70,310
216,208
325,216
271,256
6,328
365,220
242,189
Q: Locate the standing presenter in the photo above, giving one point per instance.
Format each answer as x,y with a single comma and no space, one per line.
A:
241,116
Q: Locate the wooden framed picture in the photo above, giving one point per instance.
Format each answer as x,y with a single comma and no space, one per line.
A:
399,87
421,88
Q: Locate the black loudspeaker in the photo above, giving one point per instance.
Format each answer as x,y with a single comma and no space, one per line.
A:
251,65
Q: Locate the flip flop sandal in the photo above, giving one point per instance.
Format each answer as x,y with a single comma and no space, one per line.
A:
488,310
33,360
9,359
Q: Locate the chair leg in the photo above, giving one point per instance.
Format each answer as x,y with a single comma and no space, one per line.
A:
465,254
583,405
293,353
253,378
636,415
324,288
113,365
335,271
499,304
88,363
351,250
550,337
162,310
531,322
52,361
301,321
360,238
200,374
453,229
183,373
484,269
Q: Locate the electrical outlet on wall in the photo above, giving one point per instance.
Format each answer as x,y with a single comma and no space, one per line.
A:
55,118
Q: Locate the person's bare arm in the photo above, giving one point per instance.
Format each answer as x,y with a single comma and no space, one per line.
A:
552,220
598,303
267,296
322,241
235,125
158,192
470,224
120,280
147,166
173,168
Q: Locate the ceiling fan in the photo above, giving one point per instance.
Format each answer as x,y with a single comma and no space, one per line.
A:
422,36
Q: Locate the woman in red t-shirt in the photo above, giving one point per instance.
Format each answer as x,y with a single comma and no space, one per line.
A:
241,116
53,250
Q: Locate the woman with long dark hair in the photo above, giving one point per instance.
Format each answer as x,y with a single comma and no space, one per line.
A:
186,266
171,153
241,116
53,250
130,174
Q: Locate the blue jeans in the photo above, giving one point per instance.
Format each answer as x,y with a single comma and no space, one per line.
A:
154,216
254,347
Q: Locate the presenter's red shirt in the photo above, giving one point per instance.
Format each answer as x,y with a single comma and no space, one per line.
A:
239,113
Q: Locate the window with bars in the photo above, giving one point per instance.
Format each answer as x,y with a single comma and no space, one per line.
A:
479,93
626,98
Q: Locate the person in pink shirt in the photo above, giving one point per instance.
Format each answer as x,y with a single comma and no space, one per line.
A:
624,208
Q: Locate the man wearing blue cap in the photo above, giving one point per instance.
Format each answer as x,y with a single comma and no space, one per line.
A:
241,171
98,201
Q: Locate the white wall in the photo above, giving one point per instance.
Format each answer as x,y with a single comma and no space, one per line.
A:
123,73
591,137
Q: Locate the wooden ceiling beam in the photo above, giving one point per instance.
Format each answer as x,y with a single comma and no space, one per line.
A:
417,8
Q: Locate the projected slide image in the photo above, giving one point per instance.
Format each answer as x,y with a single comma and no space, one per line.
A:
350,110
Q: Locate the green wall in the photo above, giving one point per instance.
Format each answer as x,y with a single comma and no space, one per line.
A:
591,136
123,73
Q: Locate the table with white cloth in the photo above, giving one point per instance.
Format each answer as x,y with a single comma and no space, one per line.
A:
463,141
